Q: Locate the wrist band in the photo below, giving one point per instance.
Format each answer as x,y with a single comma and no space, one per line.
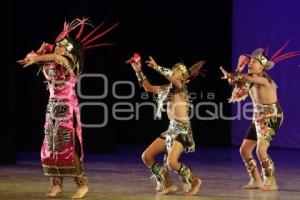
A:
236,77
141,77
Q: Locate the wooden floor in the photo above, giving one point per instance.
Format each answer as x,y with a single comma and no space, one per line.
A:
123,176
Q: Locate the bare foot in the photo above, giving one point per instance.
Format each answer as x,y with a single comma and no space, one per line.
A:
272,187
195,187
81,191
253,186
270,184
170,189
54,191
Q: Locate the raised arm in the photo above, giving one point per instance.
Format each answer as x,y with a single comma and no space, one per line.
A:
240,77
242,62
33,58
45,48
144,82
253,79
166,72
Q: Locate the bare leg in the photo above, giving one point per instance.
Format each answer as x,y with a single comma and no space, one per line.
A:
246,150
174,155
80,180
267,166
164,183
191,183
56,186
155,148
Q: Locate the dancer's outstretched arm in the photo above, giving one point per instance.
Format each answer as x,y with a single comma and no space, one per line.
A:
33,58
144,82
166,72
240,77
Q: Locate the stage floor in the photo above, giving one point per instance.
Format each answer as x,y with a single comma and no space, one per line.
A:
122,176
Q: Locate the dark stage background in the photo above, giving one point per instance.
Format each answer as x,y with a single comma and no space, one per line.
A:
167,30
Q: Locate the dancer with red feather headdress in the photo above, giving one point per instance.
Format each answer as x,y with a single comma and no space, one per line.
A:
267,113
62,152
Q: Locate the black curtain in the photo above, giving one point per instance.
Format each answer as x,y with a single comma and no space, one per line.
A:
167,30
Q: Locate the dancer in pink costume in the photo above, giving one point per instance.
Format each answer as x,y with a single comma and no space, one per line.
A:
62,151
